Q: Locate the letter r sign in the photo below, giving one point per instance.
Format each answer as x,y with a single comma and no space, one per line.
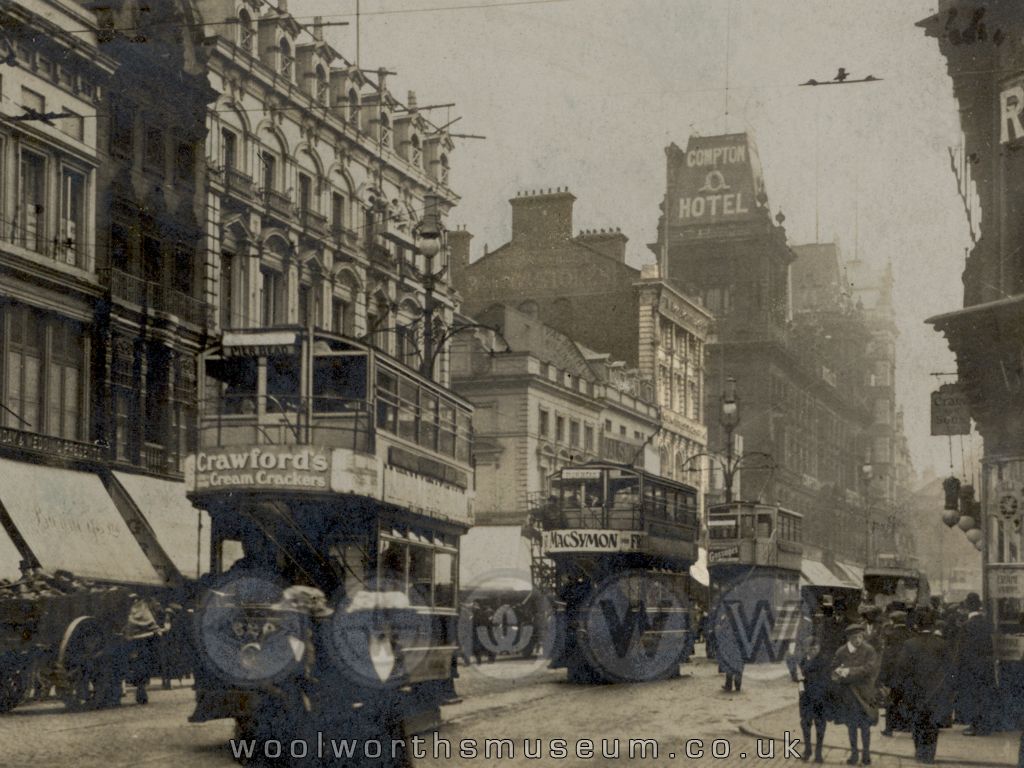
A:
1011,105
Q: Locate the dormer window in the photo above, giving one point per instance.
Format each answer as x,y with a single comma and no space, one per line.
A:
245,31
353,106
385,130
321,94
416,157
444,170
287,60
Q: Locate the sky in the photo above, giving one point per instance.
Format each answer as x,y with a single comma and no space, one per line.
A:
586,94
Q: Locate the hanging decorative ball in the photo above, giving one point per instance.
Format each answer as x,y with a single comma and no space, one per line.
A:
977,545
951,517
966,522
974,535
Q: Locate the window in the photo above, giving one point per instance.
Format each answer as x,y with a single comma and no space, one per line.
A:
157,364
151,258
154,148
229,149
588,437
64,381
337,212
122,129
227,289
182,269
353,106
245,31
120,250
321,85
287,60
31,199
638,435
340,322
269,161
622,430
24,368
694,401
574,433
72,217
305,193
185,161
428,420
305,302
607,425
545,425
270,296
71,124
445,170
416,156
385,130
559,428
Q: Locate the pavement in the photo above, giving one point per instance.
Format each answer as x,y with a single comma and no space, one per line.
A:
954,748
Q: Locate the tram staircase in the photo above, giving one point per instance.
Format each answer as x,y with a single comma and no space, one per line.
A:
542,569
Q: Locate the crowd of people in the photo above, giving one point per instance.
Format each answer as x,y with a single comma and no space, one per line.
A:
927,667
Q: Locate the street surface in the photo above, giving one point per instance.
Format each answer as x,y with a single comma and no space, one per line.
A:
507,700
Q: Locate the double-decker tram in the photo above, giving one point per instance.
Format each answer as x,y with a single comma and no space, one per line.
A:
888,582
622,541
754,556
338,483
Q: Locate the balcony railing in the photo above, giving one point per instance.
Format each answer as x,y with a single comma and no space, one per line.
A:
154,458
47,445
278,203
313,221
238,183
147,293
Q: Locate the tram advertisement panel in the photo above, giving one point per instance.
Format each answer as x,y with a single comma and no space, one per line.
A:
292,468
590,540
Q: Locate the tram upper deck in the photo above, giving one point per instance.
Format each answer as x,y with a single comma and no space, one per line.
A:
283,411
603,507
749,534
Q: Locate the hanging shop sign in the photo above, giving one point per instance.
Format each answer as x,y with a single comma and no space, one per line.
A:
1011,107
950,412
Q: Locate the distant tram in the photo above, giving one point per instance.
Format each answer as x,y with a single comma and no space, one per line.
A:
754,556
338,482
622,541
889,583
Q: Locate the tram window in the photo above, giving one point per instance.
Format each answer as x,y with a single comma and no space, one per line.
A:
446,429
583,493
230,553
339,383
625,493
722,527
428,420
746,525
354,564
392,565
387,401
282,383
444,579
463,439
764,526
233,382
421,575
408,408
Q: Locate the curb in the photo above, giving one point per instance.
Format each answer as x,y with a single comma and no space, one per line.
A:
749,729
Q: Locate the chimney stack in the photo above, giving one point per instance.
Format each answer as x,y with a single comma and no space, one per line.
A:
318,28
458,250
412,101
542,216
612,243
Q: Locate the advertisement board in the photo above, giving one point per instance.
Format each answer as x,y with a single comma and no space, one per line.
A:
718,179
287,468
591,540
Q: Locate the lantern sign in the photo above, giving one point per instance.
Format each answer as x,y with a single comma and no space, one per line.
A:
950,414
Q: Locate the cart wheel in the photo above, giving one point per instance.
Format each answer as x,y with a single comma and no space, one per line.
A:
13,683
89,681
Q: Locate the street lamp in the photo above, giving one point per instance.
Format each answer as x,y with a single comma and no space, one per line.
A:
867,472
729,418
429,233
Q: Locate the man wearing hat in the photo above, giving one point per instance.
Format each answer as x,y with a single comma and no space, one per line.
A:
896,635
975,684
925,678
855,675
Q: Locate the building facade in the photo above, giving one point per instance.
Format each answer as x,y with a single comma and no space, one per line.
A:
318,179
802,408
542,401
985,59
582,286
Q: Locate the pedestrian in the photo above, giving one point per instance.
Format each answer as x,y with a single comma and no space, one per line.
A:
925,671
814,697
975,670
728,652
855,675
889,678
798,648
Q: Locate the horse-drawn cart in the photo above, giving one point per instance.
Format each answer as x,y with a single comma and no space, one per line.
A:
57,632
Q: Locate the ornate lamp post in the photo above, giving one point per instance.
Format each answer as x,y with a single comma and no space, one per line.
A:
729,418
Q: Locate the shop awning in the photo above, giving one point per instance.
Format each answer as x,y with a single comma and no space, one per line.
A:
9,558
815,574
173,519
69,522
495,558
699,570
854,573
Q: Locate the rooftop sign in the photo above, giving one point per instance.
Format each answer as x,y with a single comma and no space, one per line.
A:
717,179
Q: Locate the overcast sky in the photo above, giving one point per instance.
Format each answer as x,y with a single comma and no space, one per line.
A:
588,93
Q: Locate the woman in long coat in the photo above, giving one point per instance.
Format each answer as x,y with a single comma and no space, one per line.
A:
855,677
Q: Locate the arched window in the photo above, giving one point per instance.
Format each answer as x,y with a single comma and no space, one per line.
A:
321,94
287,59
245,31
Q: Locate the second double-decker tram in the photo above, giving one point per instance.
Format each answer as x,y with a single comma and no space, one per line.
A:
754,555
338,483
622,541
